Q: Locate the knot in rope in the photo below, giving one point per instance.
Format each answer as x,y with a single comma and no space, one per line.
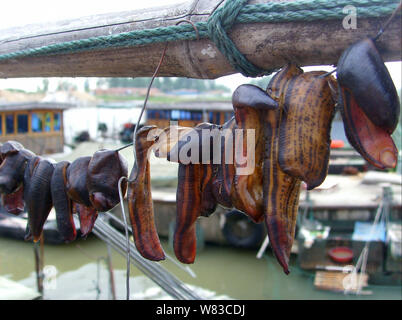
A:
221,20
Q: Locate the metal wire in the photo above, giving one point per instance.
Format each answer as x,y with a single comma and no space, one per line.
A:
127,238
151,82
184,268
124,147
135,158
388,22
146,100
163,278
380,32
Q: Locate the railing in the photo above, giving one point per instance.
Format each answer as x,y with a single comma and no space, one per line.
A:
153,270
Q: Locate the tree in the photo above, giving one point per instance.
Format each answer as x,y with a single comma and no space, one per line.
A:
45,83
86,85
164,84
261,82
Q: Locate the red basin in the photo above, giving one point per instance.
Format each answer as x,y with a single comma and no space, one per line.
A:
341,254
335,144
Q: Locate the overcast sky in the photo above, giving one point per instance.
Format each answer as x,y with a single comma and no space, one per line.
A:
23,12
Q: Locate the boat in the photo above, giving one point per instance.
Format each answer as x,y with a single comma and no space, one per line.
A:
357,231
14,227
37,125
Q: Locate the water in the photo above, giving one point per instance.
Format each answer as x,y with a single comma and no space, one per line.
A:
227,271
77,120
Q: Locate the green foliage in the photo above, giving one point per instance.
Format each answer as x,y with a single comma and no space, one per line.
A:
45,83
165,84
16,90
86,86
157,99
261,82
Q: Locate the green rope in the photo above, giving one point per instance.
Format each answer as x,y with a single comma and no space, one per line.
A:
221,21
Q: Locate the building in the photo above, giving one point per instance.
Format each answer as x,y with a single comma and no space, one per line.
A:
189,114
38,126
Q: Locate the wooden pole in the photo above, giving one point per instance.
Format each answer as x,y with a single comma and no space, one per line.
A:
112,285
267,45
39,262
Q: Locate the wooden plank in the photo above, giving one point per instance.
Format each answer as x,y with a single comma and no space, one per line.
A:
267,45
341,282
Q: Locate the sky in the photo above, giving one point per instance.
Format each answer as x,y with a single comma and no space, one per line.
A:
23,12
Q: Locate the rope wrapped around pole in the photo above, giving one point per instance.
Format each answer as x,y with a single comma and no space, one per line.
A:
219,23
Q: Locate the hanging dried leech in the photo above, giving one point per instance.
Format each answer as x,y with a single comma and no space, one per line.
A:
105,168
140,204
63,205
369,103
37,195
304,133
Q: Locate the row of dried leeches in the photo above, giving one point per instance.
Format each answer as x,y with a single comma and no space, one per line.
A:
291,121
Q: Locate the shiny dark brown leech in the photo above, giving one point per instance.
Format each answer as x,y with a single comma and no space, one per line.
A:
12,169
304,133
280,190
188,210
224,173
39,197
372,142
250,103
77,177
195,195
140,203
362,72
62,203
87,217
28,173
105,169
14,202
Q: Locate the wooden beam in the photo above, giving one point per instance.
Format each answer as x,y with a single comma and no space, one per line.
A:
267,45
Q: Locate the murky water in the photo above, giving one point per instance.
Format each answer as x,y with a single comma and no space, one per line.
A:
225,270
228,271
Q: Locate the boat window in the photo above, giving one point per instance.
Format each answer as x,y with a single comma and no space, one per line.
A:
48,121
228,115
210,117
196,115
218,118
10,124
22,123
185,115
57,121
175,115
37,122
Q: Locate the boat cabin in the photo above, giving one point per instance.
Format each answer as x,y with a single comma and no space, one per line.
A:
189,114
37,125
